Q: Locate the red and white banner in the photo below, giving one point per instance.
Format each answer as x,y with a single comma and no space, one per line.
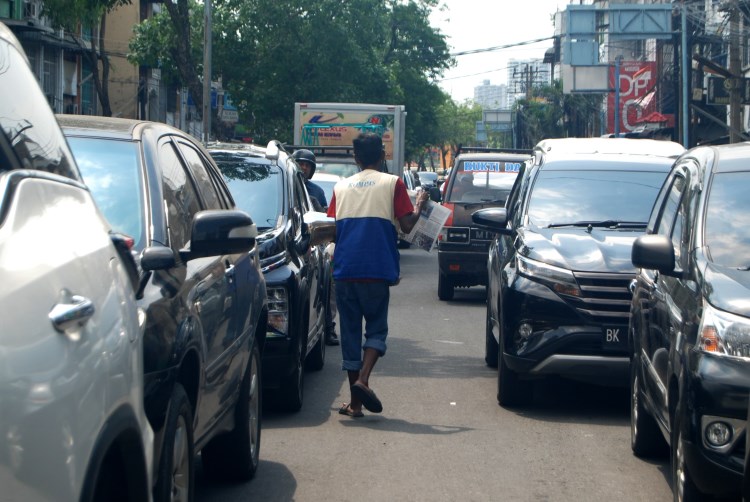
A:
637,90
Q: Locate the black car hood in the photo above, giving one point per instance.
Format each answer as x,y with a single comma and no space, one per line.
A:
602,250
728,289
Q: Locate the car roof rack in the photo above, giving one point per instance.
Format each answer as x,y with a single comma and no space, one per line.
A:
324,151
487,149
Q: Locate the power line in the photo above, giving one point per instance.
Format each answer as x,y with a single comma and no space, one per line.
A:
500,47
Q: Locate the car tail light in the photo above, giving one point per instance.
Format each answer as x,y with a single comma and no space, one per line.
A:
449,221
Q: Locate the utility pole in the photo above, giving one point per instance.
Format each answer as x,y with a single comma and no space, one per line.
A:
735,81
207,49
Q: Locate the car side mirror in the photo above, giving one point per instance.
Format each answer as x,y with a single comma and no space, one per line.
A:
435,194
494,219
220,232
157,258
654,252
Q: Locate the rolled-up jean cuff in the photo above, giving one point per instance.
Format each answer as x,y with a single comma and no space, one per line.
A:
377,344
351,365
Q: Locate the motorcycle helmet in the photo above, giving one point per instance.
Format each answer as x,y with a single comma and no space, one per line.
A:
305,156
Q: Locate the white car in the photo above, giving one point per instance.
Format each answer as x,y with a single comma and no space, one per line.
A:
72,423
326,181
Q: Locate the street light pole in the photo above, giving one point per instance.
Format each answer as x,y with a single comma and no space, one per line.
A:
207,49
685,76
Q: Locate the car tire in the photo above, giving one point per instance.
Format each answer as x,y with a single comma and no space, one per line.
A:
290,394
234,456
511,390
316,359
490,344
174,480
445,288
645,436
683,487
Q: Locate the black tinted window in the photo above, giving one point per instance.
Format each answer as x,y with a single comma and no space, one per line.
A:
670,207
27,120
179,195
727,223
256,186
202,178
563,197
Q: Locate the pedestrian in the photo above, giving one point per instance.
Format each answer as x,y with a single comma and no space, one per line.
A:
307,163
367,207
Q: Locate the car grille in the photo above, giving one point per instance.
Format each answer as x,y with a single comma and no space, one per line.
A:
605,297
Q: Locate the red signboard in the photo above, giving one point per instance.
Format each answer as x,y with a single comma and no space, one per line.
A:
637,90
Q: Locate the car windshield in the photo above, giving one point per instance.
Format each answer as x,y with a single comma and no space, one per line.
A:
483,181
728,208
112,171
570,197
343,169
256,186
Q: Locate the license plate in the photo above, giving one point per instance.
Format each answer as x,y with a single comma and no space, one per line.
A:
481,235
615,338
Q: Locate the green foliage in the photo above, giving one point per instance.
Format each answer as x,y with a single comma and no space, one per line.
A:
272,53
551,114
155,37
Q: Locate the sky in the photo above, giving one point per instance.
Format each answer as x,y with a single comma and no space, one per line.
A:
480,24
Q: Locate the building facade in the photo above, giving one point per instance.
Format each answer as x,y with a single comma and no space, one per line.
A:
490,96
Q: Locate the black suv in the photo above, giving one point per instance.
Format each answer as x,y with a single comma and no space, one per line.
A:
266,182
690,323
480,178
558,299
203,293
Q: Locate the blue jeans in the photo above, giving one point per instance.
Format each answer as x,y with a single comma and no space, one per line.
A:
355,301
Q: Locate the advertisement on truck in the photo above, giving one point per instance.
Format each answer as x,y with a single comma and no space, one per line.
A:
337,124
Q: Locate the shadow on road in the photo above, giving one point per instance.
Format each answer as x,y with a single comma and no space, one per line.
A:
271,477
381,423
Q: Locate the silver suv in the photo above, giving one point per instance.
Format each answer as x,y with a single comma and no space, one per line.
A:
72,422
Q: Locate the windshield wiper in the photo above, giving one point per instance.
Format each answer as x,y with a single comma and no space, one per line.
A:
601,224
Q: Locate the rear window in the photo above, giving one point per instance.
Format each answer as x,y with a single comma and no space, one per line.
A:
112,171
256,186
342,169
726,231
569,197
483,181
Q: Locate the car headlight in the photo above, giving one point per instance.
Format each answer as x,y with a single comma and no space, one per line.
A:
559,279
272,262
724,334
278,311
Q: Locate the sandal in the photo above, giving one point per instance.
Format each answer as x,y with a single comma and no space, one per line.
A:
346,410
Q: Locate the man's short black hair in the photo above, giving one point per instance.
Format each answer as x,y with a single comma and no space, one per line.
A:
368,147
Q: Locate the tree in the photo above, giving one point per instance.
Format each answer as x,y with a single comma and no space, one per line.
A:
552,114
456,126
90,15
271,53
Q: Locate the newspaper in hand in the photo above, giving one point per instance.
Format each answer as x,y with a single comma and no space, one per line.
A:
426,231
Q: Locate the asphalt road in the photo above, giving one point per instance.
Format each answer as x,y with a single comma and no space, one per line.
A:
442,435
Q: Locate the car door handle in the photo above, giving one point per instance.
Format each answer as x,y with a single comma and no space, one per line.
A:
75,311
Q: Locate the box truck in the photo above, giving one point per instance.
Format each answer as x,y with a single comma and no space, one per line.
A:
337,124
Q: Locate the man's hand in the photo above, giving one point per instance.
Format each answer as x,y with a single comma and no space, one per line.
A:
407,222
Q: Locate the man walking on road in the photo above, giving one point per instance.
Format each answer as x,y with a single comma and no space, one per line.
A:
367,207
